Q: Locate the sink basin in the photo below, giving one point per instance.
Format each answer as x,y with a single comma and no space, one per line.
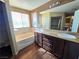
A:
66,36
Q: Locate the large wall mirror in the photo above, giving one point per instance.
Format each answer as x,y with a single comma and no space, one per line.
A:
64,17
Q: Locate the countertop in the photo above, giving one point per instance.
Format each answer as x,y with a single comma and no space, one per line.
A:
70,36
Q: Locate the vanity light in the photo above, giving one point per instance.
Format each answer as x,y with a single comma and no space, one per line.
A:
57,3
54,4
50,6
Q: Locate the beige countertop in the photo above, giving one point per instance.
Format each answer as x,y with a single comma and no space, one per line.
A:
70,36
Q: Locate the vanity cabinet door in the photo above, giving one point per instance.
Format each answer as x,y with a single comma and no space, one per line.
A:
48,43
71,50
58,47
38,38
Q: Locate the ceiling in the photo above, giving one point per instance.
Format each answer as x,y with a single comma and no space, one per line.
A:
27,4
69,7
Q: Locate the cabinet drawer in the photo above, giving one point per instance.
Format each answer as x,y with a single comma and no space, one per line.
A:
48,40
47,48
48,44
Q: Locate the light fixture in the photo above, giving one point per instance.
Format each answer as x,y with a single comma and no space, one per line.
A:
54,4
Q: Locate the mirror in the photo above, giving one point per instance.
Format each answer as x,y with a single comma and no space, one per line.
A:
64,17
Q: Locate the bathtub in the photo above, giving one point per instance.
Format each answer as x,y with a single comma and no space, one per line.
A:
24,43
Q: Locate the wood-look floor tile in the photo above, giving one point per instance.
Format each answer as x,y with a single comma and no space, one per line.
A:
34,52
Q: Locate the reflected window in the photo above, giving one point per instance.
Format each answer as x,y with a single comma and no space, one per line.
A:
34,20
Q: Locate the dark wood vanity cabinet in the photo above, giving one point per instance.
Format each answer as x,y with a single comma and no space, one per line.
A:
62,49
48,43
58,48
55,45
71,50
51,44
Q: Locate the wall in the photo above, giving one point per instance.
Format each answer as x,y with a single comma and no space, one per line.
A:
12,8
46,18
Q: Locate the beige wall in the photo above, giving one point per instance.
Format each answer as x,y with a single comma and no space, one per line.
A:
12,8
46,20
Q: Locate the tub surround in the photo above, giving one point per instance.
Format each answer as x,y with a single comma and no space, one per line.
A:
24,36
23,33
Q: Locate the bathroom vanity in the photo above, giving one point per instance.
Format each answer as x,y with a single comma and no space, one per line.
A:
62,44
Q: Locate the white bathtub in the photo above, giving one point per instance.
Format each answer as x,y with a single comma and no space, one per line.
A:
24,43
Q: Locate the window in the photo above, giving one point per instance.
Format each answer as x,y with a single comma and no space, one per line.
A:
34,21
20,20
25,20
